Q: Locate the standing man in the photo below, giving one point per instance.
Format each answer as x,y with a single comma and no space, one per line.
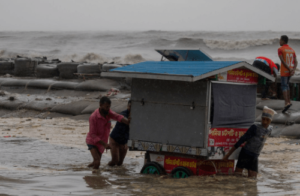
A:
100,124
255,137
118,140
288,66
268,66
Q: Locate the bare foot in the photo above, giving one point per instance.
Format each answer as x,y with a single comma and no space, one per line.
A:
91,165
111,164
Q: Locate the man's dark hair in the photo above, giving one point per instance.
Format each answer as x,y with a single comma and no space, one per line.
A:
284,38
129,101
104,100
278,66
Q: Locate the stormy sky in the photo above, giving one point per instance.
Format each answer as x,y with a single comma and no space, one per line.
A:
141,15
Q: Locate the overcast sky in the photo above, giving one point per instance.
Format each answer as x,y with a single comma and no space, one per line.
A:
126,15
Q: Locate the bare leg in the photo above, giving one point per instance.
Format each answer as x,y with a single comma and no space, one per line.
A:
289,96
114,151
238,171
285,96
252,174
97,158
122,154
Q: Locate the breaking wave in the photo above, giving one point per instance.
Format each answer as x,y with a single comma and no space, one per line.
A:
133,47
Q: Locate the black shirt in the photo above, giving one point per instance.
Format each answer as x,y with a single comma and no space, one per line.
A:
120,132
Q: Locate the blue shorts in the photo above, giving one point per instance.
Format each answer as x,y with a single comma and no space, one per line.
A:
90,147
285,81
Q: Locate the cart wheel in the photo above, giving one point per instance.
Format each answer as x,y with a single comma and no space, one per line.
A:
181,172
153,168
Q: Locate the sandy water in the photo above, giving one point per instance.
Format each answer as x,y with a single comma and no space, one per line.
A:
49,157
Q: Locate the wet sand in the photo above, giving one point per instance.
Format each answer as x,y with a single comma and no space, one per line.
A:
49,157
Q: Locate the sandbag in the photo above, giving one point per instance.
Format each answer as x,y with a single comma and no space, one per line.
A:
97,85
15,82
24,67
89,68
10,105
291,131
38,106
39,83
64,85
107,67
67,70
47,71
6,67
74,108
278,105
116,105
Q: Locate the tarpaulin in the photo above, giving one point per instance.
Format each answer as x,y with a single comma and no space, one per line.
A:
233,105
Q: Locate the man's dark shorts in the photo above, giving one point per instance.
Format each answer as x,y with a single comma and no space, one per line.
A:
247,161
90,147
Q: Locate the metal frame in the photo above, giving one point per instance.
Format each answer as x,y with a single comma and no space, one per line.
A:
187,78
204,52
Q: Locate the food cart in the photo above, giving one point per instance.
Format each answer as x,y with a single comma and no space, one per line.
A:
187,115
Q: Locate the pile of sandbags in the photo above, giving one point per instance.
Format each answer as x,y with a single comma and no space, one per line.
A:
67,70
89,68
6,67
25,66
47,71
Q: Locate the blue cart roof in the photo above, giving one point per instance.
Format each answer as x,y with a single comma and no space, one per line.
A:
183,71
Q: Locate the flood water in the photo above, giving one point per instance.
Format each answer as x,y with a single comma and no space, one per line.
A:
34,167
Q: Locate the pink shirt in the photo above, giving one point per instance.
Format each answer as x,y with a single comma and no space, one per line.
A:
100,128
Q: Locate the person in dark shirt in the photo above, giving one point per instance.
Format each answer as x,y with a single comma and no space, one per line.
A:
255,138
118,140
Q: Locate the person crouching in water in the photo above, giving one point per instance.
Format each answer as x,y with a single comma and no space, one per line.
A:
255,138
100,124
118,140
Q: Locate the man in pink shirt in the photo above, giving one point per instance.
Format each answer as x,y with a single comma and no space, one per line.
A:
100,124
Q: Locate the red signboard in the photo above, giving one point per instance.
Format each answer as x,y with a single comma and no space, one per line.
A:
215,166
172,162
224,137
239,75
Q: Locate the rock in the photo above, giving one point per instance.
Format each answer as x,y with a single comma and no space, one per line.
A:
11,98
48,99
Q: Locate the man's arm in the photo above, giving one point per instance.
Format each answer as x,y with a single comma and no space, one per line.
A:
248,135
106,146
283,62
295,64
125,120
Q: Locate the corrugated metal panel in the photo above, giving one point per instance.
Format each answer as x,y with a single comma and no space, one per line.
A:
190,68
166,116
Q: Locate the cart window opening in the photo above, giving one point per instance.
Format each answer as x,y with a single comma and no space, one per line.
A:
233,105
